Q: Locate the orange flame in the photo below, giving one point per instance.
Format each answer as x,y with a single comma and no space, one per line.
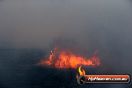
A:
66,59
81,71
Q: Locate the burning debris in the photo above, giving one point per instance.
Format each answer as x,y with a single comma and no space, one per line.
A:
67,59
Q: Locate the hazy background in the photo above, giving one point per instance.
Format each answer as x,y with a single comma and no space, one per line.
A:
28,28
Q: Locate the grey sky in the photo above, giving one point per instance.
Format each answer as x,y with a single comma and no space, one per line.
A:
31,23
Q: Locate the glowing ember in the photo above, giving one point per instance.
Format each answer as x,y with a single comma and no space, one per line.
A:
67,59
